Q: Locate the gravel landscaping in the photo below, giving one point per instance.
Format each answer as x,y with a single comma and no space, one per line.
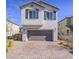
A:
38,50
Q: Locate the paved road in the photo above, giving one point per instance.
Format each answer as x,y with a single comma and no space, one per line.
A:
38,50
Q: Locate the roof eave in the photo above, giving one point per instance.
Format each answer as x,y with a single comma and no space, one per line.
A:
48,4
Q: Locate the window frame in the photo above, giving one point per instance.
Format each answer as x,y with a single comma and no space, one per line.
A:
32,14
48,15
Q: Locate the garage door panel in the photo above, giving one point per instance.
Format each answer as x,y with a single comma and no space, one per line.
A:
46,33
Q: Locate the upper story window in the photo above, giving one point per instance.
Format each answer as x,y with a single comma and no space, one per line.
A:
54,15
32,14
48,15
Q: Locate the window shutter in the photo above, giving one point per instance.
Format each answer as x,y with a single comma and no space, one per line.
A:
45,15
26,14
37,13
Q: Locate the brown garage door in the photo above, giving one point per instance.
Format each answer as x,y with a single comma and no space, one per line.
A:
40,35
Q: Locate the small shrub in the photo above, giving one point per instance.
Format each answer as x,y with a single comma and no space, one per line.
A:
65,43
9,43
60,42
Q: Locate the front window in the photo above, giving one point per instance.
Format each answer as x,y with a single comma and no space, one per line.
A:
33,14
48,15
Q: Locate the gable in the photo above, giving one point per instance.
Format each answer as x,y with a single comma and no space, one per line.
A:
30,4
47,6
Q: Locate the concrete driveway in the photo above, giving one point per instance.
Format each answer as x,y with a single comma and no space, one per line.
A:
38,50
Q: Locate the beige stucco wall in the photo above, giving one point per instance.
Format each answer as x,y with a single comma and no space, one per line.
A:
72,21
62,28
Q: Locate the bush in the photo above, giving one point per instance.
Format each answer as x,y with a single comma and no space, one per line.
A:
9,42
60,42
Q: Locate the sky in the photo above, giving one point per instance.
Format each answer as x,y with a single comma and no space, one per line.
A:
13,10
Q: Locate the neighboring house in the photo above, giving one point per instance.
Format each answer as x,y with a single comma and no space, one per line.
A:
11,28
39,19
65,29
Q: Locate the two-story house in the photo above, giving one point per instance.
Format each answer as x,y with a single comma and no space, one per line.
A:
39,19
65,29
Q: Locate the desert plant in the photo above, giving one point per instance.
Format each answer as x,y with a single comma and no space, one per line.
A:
9,42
